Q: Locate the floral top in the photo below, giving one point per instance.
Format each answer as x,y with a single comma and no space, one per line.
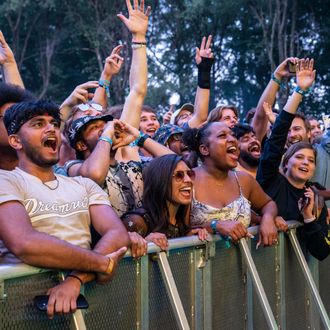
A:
237,210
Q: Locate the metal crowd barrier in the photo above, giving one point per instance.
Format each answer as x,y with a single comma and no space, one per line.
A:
194,285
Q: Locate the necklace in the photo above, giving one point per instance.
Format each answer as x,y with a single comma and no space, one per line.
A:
52,185
219,184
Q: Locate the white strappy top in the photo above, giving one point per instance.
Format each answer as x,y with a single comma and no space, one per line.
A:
237,210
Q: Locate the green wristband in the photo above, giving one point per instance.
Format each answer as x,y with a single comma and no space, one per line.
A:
106,139
279,82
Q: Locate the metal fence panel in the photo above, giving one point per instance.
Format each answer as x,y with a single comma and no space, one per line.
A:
228,289
295,291
264,259
227,301
161,315
114,305
17,310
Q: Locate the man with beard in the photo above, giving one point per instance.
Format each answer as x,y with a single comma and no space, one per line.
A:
300,130
45,219
250,149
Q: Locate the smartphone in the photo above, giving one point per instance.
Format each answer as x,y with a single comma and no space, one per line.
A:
42,301
291,67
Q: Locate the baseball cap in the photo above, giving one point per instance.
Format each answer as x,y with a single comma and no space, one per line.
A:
186,106
165,132
77,125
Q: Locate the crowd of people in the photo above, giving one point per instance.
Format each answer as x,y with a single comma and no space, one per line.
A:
82,182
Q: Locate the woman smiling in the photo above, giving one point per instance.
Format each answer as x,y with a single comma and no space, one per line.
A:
222,197
290,187
168,185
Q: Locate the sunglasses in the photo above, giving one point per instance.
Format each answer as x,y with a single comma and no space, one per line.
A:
179,175
86,106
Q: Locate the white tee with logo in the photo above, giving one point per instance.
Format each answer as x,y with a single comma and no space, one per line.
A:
60,209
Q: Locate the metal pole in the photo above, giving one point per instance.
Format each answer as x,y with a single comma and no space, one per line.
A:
258,285
309,278
172,291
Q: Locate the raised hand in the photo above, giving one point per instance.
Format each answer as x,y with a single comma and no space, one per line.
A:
124,134
269,112
305,74
282,70
205,50
168,115
137,21
80,94
6,54
113,63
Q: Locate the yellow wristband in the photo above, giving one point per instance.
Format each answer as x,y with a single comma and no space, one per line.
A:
111,264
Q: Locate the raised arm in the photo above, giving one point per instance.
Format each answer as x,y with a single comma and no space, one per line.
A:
96,165
260,119
137,24
126,134
9,66
275,144
79,95
112,66
204,60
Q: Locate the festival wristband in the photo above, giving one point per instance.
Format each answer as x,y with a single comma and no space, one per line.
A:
106,139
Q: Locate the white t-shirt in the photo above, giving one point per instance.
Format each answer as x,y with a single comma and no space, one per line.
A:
62,212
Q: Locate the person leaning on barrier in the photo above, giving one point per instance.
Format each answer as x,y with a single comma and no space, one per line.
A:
97,140
292,191
45,219
166,202
223,197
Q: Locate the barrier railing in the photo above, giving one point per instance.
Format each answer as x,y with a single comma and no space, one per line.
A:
194,285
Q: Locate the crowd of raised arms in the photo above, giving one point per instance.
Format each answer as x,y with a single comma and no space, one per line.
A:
82,182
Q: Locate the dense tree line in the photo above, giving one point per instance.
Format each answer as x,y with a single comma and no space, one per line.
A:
61,43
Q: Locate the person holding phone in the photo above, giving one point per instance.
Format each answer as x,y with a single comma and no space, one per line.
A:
290,187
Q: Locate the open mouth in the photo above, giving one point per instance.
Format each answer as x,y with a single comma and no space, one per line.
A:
232,150
50,142
303,169
186,191
254,148
151,130
293,141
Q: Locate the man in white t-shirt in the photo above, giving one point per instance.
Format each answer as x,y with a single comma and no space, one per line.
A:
45,218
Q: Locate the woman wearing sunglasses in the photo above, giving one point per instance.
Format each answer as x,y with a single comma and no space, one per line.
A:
222,197
168,186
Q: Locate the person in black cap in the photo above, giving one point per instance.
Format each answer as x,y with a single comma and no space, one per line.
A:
53,213
94,140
